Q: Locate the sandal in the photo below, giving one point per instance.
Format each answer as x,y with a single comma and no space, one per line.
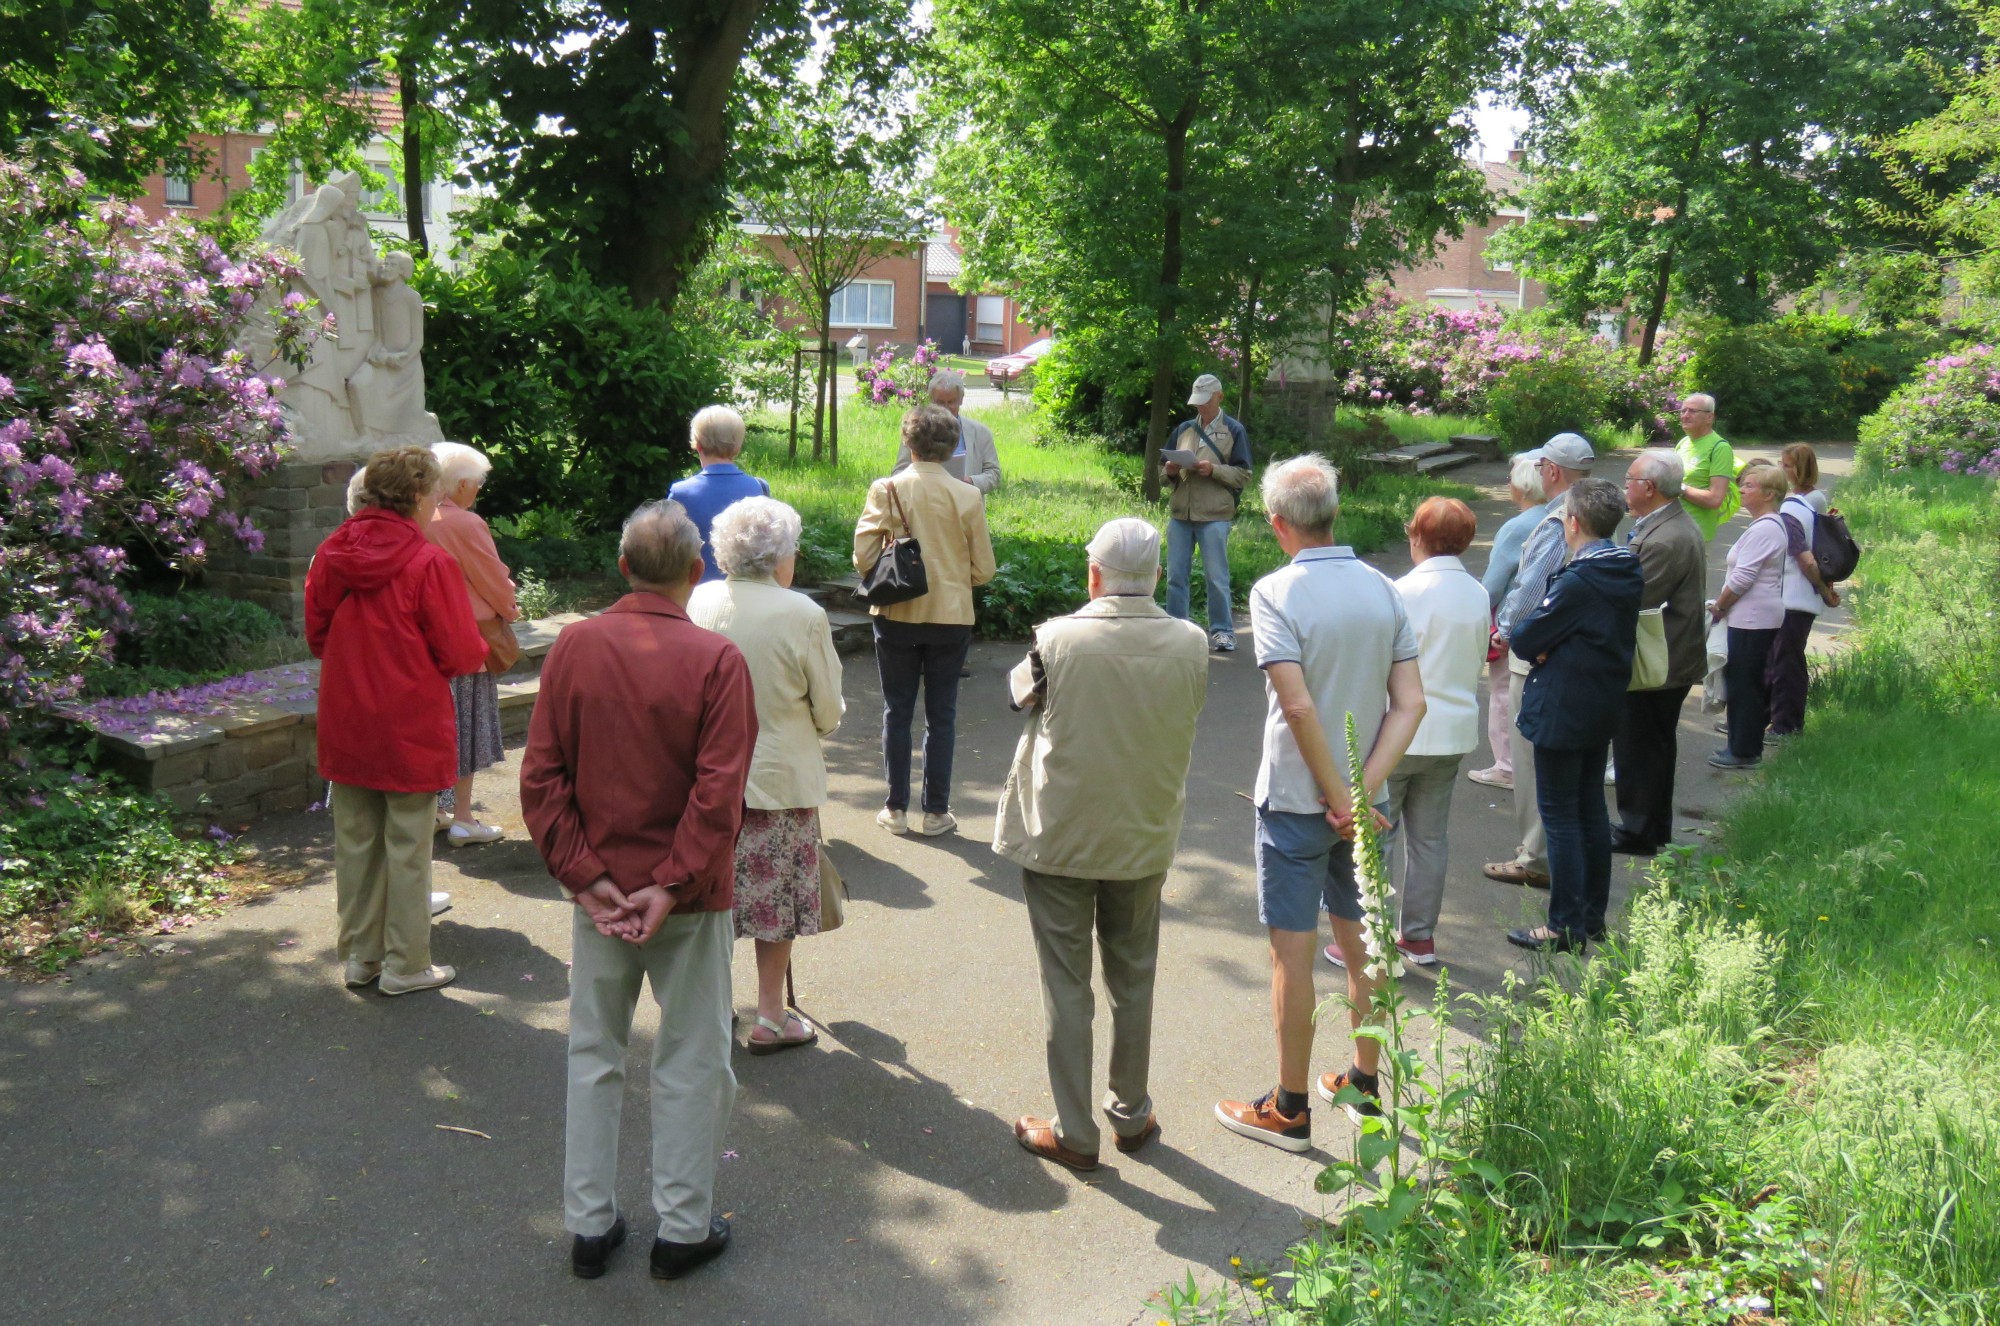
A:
780,1042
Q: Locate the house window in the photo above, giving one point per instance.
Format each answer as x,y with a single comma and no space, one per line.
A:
865,304
1499,265
180,191
989,319
385,201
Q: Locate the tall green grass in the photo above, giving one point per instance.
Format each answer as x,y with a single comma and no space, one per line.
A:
1057,491
1782,1079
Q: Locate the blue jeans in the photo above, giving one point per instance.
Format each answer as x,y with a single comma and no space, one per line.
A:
1213,536
909,655
1569,785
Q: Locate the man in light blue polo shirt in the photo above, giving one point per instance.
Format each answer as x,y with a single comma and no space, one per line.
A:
1334,639
717,438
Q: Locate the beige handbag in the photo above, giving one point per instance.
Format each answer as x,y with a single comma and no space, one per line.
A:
1649,652
832,893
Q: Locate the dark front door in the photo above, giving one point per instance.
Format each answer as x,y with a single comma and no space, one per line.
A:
944,322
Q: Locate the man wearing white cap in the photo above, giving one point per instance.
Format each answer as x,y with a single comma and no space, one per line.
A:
1207,481
1561,461
975,460
1091,812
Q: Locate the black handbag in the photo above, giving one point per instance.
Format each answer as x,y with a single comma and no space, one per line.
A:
898,573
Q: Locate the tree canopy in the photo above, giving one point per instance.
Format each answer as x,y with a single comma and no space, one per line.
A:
1158,171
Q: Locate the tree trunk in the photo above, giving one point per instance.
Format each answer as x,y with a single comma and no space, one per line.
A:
1172,256
1662,281
413,150
819,400
674,219
833,410
1246,339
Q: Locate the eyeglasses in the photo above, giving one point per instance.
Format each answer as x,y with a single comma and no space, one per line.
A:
1695,409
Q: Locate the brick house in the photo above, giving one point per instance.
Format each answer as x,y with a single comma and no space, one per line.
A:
909,295
225,172
1461,275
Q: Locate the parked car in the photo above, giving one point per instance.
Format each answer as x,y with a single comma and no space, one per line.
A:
1009,370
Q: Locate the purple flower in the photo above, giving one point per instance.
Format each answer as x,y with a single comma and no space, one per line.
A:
93,358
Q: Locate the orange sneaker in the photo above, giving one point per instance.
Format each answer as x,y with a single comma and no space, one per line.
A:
1260,1120
1370,1106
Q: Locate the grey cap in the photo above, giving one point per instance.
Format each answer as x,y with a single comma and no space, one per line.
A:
1206,388
1127,545
1568,450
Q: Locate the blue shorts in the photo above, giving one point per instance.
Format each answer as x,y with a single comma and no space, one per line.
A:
1302,866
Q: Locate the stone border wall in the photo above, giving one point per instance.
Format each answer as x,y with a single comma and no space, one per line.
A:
295,506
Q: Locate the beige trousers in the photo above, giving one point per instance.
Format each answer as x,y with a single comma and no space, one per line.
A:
1534,849
1125,916
382,876
687,964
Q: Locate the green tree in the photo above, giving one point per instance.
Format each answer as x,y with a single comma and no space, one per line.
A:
841,198
625,128
1946,169
1709,154
125,82
1154,170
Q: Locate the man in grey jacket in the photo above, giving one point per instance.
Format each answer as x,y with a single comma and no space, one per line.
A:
1674,559
1203,506
1091,812
975,460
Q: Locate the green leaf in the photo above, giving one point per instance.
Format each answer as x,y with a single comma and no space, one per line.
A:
1373,1146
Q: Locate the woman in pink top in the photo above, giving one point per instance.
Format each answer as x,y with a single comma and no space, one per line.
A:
1752,602
475,698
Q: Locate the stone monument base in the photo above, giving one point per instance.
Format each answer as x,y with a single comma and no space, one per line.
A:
296,506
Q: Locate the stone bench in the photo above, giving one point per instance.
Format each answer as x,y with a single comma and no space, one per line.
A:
247,746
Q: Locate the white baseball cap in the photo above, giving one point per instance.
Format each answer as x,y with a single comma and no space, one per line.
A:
1568,450
1127,545
1206,388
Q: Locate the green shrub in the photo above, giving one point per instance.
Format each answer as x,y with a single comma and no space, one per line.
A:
195,631
1538,398
1802,376
1947,417
574,393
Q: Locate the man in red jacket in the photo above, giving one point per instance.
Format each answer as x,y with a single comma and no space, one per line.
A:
387,615
632,785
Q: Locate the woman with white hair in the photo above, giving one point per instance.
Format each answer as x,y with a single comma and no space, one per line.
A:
1503,564
795,672
716,434
475,698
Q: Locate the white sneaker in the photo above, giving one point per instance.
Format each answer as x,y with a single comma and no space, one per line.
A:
360,973
430,978
1223,642
440,903
1610,774
462,835
934,825
895,821
1492,778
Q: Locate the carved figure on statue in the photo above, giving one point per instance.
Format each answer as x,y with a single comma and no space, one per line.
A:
387,392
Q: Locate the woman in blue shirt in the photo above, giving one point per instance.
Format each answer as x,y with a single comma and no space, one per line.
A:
717,438
1503,564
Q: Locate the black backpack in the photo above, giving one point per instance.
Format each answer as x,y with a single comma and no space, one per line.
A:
1834,548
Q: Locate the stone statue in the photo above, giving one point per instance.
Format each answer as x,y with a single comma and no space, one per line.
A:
386,393
362,388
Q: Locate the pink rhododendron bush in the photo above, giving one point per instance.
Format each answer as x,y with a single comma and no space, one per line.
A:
1526,382
125,414
1946,417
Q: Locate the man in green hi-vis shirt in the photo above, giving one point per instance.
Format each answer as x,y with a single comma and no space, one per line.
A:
1709,488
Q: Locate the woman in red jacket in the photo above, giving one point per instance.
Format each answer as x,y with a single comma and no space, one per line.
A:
386,612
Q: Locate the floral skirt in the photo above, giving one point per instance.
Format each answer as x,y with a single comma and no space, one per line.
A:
777,875
475,700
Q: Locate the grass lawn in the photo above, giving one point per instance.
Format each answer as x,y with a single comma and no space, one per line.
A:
1056,494
1777,1092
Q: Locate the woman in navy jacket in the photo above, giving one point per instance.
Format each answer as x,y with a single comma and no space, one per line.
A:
1579,643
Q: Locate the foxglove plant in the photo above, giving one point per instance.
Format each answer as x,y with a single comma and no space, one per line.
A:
126,411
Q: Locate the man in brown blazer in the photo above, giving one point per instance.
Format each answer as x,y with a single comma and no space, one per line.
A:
1674,560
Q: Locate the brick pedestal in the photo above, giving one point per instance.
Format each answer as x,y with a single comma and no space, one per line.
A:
296,506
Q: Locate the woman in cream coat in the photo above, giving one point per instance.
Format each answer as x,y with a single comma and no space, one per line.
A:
788,643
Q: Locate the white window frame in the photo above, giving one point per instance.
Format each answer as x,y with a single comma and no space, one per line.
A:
182,184
840,315
993,330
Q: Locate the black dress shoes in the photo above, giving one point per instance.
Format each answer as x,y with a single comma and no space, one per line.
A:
671,1260
589,1253
1631,844
1543,940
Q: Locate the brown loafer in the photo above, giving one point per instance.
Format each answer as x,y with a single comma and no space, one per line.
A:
1038,1136
1513,872
1128,1145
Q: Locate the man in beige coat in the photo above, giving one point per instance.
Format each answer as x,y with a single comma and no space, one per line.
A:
1091,812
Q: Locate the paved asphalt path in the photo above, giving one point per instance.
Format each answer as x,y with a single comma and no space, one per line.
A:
217,1131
